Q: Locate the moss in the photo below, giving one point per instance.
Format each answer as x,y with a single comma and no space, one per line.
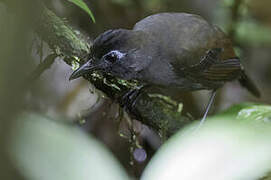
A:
159,112
61,38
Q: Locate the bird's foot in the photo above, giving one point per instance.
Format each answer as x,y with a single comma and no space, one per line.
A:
130,98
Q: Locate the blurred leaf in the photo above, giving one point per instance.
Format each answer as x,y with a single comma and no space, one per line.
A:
234,144
44,149
221,149
248,112
253,32
82,5
228,3
233,111
248,30
261,113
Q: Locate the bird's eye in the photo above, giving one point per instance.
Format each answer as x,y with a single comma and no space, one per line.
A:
113,56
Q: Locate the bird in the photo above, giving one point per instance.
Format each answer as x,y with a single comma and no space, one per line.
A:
179,51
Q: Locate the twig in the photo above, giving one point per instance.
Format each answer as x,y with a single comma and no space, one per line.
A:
44,65
41,50
235,16
158,112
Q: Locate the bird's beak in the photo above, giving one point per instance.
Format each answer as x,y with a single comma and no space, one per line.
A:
85,68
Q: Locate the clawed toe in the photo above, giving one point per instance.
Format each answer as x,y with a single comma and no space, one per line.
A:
129,99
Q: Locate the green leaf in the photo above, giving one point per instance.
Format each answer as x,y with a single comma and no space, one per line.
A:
247,111
82,5
220,149
42,148
253,32
260,113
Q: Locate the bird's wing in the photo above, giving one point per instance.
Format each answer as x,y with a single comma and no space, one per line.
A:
226,70
211,68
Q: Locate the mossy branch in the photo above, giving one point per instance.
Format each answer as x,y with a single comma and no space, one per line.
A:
61,38
158,112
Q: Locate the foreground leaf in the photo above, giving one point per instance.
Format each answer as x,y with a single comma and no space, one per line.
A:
225,149
42,149
82,5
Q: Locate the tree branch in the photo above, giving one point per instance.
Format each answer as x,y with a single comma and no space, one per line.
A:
44,65
61,38
158,112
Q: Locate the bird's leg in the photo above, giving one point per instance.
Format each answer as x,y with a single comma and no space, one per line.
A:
211,100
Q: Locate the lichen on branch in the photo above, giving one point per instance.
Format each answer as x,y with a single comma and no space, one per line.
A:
61,38
157,111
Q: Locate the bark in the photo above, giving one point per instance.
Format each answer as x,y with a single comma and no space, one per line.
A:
158,112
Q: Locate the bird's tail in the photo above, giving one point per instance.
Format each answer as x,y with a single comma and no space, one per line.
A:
246,82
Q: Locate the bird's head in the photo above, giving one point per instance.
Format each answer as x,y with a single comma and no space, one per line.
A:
113,52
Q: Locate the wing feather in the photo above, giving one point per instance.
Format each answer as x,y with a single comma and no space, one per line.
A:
212,69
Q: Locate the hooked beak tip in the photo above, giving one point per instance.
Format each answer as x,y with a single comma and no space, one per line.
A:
85,68
72,78
76,74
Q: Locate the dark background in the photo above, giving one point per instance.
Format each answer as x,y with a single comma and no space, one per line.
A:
248,24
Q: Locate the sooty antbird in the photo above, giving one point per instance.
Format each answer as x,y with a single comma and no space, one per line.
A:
169,50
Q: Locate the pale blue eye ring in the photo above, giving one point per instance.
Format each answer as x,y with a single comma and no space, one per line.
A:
114,55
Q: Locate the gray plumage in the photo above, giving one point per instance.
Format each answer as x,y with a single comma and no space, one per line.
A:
177,50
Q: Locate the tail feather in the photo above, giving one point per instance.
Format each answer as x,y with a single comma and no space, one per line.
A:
246,82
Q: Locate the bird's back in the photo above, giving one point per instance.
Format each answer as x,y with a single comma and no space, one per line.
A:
184,37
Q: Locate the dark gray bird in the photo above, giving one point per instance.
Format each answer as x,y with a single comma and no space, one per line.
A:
169,50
